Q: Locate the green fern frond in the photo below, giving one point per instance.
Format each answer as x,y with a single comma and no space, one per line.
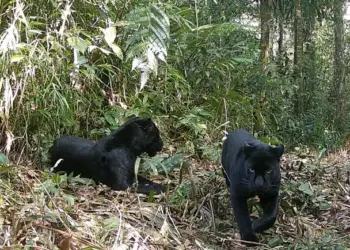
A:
148,35
136,50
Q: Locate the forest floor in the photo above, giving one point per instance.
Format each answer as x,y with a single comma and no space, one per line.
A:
43,211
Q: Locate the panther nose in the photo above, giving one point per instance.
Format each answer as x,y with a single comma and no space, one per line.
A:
259,182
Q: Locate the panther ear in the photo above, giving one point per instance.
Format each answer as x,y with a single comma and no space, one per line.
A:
131,117
248,148
278,150
145,123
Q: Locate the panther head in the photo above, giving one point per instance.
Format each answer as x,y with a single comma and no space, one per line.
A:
262,168
140,134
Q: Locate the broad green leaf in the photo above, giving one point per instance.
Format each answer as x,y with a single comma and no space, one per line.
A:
55,45
110,119
49,186
78,43
52,217
82,60
69,198
305,188
3,159
16,58
202,126
93,47
81,180
5,168
117,50
160,164
274,241
110,34
324,206
170,163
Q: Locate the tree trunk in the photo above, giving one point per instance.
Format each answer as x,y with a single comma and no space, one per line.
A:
298,58
265,26
310,54
265,22
281,53
280,37
338,96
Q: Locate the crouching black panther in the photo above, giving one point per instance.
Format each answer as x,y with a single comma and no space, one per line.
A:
110,160
251,168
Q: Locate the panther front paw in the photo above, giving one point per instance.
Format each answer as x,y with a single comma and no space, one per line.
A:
263,224
255,227
251,237
157,188
150,187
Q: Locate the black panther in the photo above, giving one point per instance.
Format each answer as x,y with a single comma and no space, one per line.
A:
251,168
111,160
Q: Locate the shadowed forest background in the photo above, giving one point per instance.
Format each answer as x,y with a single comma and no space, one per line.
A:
277,68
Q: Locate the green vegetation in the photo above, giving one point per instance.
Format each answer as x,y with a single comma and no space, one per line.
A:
197,68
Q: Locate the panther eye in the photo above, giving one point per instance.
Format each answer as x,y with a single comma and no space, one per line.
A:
269,171
251,170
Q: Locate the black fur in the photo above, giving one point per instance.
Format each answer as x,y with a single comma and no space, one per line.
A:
252,168
110,160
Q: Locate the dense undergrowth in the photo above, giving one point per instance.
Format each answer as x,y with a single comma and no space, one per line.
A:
78,68
48,211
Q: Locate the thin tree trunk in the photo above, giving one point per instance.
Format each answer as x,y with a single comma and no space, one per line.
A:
280,36
310,54
298,57
339,65
280,51
265,22
265,27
